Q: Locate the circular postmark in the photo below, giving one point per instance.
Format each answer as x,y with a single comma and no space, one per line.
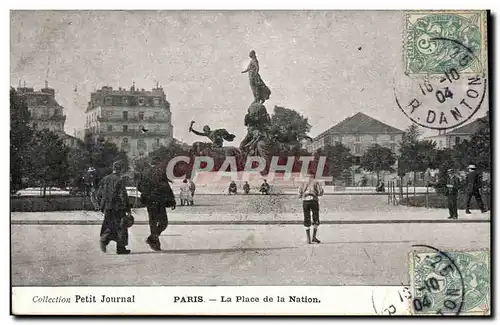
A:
450,94
450,283
437,282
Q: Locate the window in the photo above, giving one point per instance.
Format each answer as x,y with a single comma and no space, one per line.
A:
141,101
393,147
125,144
158,142
393,138
339,138
109,101
141,116
125,128
141,145
124,101
125,116
457,140
110,128
357,138
440,143
156,114
357,148
156,102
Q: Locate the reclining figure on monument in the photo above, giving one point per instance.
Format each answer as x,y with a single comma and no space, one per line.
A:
217,138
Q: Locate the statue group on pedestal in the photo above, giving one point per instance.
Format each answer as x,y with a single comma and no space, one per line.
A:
257,121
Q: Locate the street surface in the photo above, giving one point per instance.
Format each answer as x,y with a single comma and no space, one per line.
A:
351,253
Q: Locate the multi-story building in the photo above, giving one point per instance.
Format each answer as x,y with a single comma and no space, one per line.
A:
358,133
458,135
45,112
136,120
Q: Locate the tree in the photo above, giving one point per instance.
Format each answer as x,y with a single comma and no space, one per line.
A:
20,135
377,159
480,146
48,163
101,155
339,159
288,128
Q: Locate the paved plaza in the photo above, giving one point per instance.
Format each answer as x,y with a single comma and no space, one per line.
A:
363,243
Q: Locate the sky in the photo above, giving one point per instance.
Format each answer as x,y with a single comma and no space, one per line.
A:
327,65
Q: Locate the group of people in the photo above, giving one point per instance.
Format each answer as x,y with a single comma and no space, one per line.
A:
264,189
156,194
472,184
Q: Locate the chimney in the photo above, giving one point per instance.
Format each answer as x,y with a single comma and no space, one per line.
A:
46,84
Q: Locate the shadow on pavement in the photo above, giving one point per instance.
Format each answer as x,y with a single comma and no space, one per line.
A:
210,251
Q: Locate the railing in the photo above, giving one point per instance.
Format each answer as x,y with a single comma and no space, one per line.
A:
397,193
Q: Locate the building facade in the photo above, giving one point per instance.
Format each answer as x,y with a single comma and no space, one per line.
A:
358,133
45,111
136,120
458,135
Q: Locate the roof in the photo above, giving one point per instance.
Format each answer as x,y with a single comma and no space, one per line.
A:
470,128
360,123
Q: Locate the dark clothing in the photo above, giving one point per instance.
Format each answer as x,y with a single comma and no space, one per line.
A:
114,228
264,188
155,188
157,195
473,180
453,205
246,188
113,201
158,220
479,200
311,206
452,193
112,194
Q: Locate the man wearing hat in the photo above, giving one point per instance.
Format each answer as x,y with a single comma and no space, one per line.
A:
113,201
157,195
453,185
473,181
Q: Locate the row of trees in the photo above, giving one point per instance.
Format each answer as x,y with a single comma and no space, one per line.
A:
41,159
289,128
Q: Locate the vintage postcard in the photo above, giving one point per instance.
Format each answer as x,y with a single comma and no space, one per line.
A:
250,162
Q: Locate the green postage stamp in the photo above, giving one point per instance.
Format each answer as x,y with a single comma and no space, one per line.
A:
450,283
435,41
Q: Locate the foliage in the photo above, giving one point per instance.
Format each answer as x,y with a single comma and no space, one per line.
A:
20,136
377,159
339,159
288,128
48,163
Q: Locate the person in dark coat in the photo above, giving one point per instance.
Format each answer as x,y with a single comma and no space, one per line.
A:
157,195
452,187
113,201
473,181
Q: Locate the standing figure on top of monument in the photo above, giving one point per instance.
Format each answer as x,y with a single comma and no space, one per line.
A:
216,136
260,91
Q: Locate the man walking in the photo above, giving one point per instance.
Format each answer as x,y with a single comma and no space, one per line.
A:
157,195
310,192
473,181
113,202
453,185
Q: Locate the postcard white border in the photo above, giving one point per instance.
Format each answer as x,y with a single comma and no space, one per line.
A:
202,300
